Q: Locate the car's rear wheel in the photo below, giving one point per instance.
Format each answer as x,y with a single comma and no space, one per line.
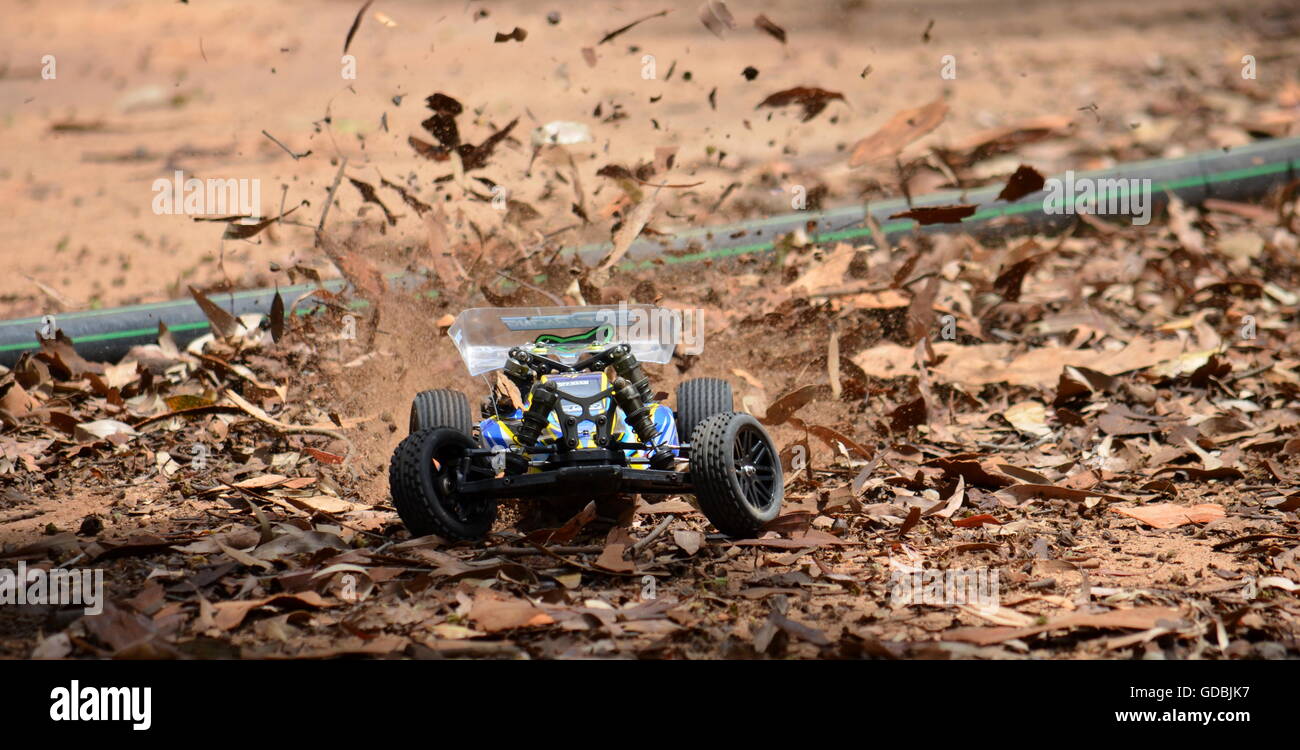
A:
737,473
424,479
441,407
697,400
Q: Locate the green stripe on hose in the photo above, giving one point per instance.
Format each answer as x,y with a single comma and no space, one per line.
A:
726,252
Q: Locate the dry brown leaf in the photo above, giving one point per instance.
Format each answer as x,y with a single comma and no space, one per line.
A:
990,143
926,215
689,540
716,18
903,128
494,612
764,23
789,403
229,615
1171,516
827,273
626,235
612,557
1140,618
887,361
223,323
985,364
812,99
1023,492
1030,417
1022,182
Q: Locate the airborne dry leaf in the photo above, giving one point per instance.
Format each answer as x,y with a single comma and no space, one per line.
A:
812,99
763,22
903,128
925,215
716,18
1023,181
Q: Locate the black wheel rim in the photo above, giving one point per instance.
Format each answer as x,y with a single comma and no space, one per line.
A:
451,467
754,467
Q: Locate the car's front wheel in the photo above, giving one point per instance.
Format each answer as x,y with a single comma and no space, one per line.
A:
424,479
737,473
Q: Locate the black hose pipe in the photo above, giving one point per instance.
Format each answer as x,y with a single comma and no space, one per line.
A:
1239,174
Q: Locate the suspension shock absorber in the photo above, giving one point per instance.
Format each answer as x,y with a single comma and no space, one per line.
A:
628,368
638,415
518,372
543,399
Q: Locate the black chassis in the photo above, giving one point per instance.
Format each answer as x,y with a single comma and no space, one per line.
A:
597,471
596,479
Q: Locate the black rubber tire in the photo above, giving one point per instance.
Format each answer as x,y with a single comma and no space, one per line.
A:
736,504
441,407
697,400
420,492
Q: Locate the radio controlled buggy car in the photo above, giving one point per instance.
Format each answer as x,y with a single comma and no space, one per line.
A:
578,434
